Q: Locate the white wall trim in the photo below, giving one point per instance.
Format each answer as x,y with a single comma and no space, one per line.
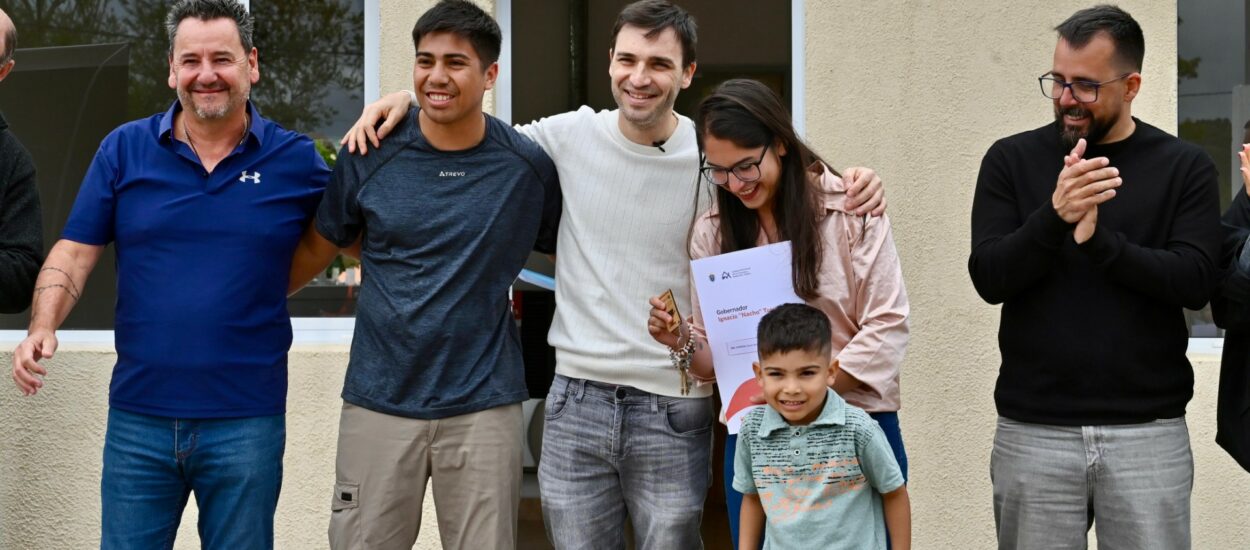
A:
307,330
373,51
1205,346
503,84
798,66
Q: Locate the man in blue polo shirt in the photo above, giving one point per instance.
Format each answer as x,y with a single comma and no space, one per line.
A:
448,210
205,203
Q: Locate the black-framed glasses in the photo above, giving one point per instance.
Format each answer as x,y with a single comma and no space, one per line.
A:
746,172
1083,91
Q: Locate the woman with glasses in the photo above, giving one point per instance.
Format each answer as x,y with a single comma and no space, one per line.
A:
771,187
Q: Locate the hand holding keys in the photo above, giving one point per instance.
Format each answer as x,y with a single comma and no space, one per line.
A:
680,357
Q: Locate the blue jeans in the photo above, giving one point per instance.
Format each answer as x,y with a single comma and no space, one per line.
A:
733,499
611,450
152,464
1132,482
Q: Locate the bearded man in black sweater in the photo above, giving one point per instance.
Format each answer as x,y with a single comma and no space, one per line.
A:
1094,232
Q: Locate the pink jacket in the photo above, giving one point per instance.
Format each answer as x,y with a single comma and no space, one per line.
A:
861,290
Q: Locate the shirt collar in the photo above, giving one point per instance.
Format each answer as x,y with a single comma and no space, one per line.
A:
833,413
256,130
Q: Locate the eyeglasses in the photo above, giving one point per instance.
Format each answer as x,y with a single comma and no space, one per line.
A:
746,172
1083,91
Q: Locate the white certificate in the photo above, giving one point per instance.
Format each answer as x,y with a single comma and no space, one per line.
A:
735,291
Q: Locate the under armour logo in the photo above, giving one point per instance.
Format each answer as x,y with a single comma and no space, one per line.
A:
254,176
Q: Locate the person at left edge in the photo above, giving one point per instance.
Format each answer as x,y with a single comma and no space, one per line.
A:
205,204
21,239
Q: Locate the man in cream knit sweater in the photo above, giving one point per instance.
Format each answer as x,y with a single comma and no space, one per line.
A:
620,439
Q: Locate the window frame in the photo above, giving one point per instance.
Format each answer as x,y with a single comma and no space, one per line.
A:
306,330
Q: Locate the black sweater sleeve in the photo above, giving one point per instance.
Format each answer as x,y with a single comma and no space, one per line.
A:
21,230
1186,270
1009,254
1231,303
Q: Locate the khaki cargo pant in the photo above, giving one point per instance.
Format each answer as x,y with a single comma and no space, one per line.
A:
385,461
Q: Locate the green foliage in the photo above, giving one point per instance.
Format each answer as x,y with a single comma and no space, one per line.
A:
307,48
328,150
1187,68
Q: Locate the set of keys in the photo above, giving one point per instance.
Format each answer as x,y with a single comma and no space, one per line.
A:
681,358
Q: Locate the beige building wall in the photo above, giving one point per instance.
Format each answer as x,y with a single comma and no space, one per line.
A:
918,90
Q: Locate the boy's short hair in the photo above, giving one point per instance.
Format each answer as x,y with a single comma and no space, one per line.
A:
464,19
656,15
794,327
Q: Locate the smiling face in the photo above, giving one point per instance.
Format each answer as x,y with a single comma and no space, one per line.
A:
723,154
794,383
209,69
1106,119
647,74
450,80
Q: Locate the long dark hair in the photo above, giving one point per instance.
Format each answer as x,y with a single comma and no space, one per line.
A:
750,115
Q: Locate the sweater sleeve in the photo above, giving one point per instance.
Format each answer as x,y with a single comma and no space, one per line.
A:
548,132
21,230
1230,304
1185,271
1009,254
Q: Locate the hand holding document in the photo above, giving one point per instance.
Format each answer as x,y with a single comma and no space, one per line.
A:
735,290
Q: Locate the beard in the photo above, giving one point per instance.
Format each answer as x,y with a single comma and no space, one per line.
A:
213,112
1093,133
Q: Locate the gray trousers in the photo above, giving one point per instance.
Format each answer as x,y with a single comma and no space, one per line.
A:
1132,483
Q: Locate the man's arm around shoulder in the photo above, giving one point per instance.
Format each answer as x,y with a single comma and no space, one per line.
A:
313,253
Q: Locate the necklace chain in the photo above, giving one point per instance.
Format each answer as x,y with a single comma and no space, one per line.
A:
247,127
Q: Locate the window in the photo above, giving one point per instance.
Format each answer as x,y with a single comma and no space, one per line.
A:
1213,99
87,66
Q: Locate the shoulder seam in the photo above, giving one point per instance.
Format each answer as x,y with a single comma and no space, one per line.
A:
364,181
511,148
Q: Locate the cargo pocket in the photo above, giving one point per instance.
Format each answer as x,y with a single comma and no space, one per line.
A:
345,516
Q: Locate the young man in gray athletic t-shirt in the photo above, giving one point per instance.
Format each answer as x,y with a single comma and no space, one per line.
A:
445,214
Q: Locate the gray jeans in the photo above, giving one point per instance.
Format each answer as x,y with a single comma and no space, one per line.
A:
612,451
1131,482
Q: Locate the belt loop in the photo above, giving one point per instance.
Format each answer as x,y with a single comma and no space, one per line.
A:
655,403
579,389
